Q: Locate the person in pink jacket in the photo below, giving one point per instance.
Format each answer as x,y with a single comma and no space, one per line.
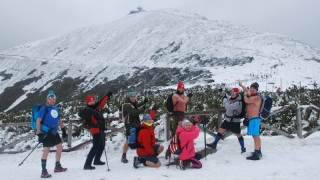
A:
188,132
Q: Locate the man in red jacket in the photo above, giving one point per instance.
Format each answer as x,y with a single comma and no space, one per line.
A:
149,150
95,120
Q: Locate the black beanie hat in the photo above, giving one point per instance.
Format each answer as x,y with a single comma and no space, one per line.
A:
255,85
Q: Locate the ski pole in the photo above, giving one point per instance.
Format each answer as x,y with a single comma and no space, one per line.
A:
105,152
45,136
28,154
205,139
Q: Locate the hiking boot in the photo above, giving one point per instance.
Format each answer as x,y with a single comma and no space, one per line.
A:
243,150
124,159
45,174
59,168
136,162
168,154
182,165
212,145
88,167
99,163
254,156
259,153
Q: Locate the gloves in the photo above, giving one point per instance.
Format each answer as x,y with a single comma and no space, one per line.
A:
145,100
109,94
40,137
245,122
220,89
190,95
195,120
154,107
64,133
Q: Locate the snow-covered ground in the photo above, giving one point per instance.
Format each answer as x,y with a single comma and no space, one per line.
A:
283,158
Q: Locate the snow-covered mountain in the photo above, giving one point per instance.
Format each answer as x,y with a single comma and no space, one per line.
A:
153,49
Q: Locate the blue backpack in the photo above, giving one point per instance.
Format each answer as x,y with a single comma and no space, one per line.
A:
265,107
34,116
133,138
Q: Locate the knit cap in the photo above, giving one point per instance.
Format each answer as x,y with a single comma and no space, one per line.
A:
180,85
89,98
184,122
131,94
146,117
51,95
255,85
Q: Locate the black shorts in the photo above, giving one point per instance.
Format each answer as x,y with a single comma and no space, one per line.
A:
152,158
51,140
232,126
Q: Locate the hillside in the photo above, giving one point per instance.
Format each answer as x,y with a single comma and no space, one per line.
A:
148,50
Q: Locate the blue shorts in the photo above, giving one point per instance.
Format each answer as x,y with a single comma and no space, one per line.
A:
152,158
254,126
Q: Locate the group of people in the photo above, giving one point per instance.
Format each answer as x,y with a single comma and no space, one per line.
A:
149,150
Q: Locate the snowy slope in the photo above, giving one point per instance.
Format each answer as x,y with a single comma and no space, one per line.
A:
162,38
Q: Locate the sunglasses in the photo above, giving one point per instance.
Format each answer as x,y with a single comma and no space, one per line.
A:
52,96
233,93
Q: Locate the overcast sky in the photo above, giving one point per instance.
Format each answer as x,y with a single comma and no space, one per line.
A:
23,21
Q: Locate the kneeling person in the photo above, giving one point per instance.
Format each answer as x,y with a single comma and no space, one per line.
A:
149,150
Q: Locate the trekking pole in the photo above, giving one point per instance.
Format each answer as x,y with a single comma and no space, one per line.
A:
105,152
205,139
28,154
45,136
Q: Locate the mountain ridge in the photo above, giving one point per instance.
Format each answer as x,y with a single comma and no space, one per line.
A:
151,41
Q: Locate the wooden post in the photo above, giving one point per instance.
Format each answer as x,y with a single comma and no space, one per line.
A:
219,118
299,123
167,125
69,133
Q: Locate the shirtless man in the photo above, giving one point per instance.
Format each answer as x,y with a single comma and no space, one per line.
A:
253,101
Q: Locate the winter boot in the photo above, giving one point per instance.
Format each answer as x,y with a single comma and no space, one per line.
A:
168,154
212,145
254,156
136,162
243,150
124,159
99,163
45,174
88,167
59,168
182,165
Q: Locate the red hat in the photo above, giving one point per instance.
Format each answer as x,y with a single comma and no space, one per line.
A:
180,85
236,90
89,98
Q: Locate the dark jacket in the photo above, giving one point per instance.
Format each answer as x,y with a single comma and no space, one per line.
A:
92,115
131,112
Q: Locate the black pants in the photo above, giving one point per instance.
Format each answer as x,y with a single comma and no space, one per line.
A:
96,151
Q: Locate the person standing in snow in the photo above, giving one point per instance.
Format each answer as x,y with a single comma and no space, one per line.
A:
188,132
253,101
131,110
234,107
49,116
149,150
95,120
179,101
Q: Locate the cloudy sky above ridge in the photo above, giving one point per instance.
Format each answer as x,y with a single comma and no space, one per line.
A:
24,21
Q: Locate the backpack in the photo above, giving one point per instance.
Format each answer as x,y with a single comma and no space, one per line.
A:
82,120
265,107
174,146
243,110
34,116
169,103
133,138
